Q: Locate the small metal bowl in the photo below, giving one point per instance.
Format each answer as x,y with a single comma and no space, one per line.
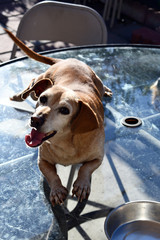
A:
138,220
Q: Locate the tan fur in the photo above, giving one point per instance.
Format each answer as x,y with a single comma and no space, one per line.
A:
79,135
155,88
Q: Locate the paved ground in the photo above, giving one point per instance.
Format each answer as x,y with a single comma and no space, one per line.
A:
11,12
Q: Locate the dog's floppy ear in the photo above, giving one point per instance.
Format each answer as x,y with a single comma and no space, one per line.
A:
85,121
39,87
35,88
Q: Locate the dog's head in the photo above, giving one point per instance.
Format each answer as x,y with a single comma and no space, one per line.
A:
60,110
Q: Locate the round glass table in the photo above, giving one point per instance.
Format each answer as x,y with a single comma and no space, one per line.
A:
131,167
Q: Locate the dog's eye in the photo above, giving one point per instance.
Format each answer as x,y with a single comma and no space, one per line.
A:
43,99
64,110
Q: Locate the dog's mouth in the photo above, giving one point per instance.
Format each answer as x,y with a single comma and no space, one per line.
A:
36,138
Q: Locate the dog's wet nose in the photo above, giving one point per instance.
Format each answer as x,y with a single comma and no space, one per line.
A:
37,121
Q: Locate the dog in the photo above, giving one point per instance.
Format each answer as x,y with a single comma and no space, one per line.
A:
67,125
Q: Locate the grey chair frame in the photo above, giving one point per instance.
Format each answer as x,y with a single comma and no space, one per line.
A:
59,21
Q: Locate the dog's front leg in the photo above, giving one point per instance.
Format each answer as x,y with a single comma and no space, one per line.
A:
58,192
82,185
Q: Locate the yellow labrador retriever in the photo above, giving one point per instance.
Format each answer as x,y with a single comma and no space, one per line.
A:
68,121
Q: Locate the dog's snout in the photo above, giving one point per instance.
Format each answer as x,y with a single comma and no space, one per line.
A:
37,121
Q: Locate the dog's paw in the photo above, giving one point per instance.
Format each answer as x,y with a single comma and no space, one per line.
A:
81,189
58,195
17,98
108,92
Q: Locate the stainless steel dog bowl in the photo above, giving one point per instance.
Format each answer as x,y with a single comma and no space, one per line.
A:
138,220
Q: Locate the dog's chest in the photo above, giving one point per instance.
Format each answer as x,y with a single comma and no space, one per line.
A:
79,150
62,153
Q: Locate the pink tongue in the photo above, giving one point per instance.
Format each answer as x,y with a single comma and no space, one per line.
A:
34,139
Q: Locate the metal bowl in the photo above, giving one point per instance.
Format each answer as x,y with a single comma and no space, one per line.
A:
138,220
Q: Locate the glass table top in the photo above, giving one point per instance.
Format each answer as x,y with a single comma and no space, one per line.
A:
129,72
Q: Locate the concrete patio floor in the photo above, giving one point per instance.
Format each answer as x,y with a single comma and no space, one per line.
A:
11,12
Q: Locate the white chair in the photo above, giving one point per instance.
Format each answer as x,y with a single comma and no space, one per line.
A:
57,21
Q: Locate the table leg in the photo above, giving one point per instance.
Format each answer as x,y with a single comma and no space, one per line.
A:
70,180
105,9
67,220
113,13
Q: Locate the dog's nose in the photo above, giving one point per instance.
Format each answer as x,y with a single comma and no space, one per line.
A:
37,121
